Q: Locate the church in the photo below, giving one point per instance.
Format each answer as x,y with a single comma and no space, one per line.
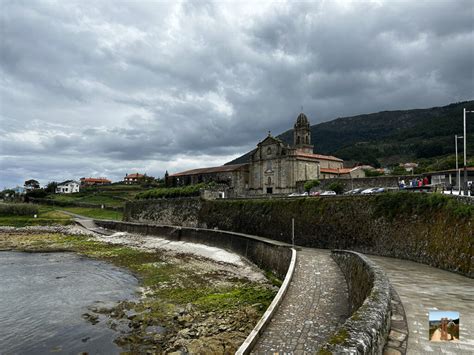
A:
274,167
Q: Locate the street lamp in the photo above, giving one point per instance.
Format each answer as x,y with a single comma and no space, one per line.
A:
465,162
458,172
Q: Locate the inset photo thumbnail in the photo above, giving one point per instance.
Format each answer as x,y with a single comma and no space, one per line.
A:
444,326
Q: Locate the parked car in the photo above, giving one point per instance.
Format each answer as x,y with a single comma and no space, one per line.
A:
297,194
327,193
378,190
315,193
369,190
353,192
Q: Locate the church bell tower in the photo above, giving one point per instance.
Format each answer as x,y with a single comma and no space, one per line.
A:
302,134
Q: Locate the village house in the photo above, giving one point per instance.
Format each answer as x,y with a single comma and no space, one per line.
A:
274,167
130,179
68,187
90,181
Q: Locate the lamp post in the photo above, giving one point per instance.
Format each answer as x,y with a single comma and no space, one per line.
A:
458,173
465,160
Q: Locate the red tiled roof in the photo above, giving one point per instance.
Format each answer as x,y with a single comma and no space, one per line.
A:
216,169
318,156
345,170
330,171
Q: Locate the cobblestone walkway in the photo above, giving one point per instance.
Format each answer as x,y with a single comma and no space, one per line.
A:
314,305
423,288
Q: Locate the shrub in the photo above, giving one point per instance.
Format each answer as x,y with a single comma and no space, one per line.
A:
171,192
372,173
308,185
337,187
17,209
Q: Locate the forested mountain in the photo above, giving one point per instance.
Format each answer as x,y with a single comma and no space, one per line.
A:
389,137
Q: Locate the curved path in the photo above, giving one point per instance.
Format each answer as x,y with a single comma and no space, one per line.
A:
423,288
315,304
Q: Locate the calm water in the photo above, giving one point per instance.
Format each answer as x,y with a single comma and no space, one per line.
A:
42,298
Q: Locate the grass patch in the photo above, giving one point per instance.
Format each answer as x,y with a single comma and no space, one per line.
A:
97,213
339,338
46,215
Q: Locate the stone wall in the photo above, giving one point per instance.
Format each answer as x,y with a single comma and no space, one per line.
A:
427,228
175,212
430,229
266,254
366,182
365,332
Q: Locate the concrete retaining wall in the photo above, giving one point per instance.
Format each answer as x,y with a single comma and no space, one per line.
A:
366,331
265,253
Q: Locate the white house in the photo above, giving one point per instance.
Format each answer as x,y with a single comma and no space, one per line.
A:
68,187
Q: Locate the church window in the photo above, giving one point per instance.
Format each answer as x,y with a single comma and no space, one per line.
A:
269,180
269,150
298,140
307,140
269,165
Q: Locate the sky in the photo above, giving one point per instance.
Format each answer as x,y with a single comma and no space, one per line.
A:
437,315
104,88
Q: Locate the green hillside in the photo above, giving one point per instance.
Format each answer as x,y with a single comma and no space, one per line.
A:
390,137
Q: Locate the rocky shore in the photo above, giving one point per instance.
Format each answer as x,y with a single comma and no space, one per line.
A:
187,303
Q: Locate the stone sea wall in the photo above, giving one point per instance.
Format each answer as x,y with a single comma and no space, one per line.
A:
431,229
428,228
365,332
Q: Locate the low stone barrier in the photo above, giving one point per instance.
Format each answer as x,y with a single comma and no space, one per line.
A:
366,331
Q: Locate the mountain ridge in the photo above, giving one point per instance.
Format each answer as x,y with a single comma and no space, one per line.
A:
389,137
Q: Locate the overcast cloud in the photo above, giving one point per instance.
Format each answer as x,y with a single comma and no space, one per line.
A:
103,88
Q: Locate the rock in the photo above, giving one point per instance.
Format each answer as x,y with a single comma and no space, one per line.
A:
394,335
94,319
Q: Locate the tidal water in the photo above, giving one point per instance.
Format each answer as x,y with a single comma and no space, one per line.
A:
42,298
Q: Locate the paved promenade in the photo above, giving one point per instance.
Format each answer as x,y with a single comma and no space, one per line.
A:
423,288
315,304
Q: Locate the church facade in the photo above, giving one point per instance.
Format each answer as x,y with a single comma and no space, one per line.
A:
274,167
279,168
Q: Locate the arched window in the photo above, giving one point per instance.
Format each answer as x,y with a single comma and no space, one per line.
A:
307,139
269,150
269,180
269,165
298,140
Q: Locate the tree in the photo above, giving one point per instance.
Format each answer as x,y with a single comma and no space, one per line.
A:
337,187
51,187
32,184
308,185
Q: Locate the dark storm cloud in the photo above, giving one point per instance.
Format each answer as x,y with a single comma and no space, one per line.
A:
104,88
